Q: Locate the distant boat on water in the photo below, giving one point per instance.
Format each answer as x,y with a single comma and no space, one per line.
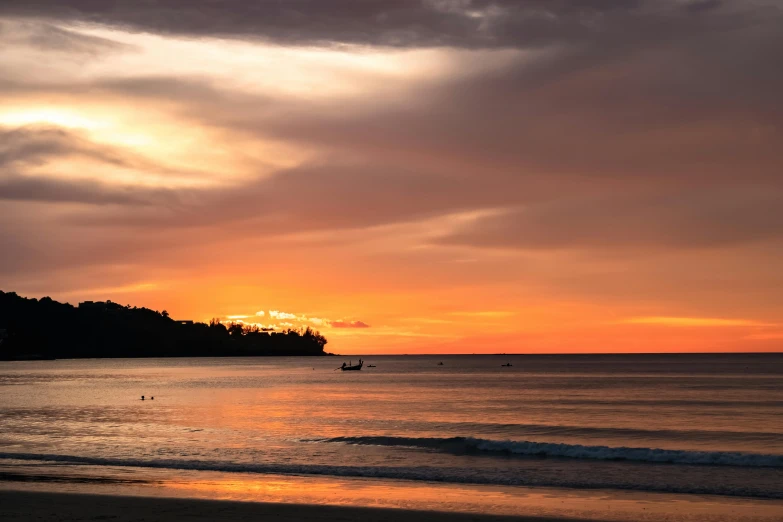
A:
349,367
507,364
440,363
371,366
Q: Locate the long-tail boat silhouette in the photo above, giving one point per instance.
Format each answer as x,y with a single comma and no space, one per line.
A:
349,367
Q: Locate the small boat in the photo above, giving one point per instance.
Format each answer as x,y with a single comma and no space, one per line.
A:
349,367
440,363
371,366
507,364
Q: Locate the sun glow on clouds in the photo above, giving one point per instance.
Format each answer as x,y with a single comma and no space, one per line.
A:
290,320
275,314
52,116
273,69
138,145
443,178
112,86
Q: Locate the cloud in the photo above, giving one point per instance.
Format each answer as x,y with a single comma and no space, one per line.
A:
606,109
263,327
284,319
26,153
40,189
398,23
348,324
281,315
37,144
673,219
53,39
694,322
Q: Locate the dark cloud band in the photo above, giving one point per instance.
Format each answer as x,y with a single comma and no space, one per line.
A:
397,23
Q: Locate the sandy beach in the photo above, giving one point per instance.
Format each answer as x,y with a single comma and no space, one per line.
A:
24,506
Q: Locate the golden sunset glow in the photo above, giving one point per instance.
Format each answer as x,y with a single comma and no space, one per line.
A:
403,192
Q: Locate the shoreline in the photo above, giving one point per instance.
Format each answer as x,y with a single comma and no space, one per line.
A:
18,506
294,497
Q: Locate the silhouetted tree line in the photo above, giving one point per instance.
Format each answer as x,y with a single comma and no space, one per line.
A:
44,328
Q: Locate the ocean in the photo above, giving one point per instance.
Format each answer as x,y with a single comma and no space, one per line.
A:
655,424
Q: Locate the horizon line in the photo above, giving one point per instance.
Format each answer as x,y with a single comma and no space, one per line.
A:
558,353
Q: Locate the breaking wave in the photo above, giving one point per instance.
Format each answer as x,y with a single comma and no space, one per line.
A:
571,451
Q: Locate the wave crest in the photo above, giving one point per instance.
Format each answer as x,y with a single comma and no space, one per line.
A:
573,451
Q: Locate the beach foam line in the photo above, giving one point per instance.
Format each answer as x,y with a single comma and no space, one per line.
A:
571,451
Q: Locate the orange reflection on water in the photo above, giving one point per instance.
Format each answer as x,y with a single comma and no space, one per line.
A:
356,492
468,498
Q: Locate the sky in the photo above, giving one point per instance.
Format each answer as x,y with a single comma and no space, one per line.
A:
406,176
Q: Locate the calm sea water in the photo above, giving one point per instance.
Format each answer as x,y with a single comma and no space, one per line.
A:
710,424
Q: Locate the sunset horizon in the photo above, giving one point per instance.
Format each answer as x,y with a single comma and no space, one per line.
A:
391,260
343,339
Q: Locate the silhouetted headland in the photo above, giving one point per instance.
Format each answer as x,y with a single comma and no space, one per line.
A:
46,329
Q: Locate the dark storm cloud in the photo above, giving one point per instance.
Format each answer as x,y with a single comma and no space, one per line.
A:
400,23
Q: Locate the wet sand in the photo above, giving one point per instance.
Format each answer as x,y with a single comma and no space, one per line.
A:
18,506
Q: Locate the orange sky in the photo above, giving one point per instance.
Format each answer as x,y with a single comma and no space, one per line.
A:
406,177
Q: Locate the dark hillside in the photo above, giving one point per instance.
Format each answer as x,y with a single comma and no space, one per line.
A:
44,328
